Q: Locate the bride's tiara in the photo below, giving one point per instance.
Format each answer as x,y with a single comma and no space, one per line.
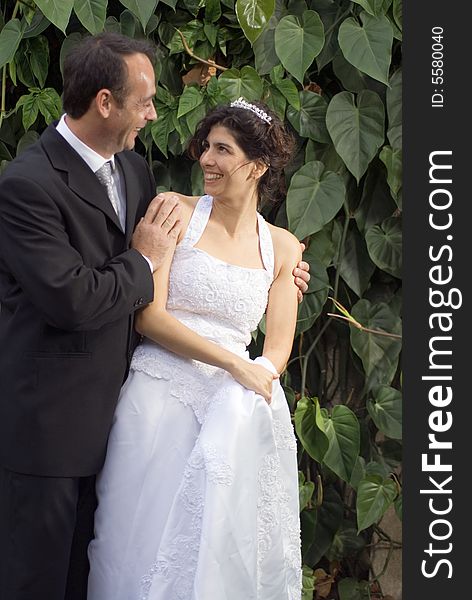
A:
241,103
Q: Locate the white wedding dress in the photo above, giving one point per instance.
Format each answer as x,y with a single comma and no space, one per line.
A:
198,498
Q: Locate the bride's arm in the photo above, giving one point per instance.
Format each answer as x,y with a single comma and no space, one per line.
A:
281,315
157,324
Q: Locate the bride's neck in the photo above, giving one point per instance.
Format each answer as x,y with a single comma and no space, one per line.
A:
236,218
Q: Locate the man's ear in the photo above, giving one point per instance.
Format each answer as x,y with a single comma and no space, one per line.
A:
103,102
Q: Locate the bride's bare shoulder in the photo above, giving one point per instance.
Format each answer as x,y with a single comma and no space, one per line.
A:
186,202
287,248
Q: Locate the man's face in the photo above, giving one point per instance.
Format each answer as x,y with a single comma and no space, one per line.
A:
138,107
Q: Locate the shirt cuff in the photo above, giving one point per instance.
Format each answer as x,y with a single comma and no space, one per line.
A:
149,262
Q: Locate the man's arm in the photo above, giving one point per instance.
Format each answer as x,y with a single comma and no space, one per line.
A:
35,246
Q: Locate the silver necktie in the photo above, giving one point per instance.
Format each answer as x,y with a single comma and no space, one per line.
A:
105,178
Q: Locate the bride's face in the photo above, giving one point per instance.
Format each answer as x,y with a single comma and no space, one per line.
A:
226,168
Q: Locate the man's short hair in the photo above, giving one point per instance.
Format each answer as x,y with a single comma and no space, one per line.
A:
97,62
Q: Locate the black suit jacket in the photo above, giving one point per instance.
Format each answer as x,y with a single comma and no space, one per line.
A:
69,286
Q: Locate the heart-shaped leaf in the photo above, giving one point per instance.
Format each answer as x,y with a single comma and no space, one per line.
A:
343,432
310,119
378,353
10,38
385,408
253,16
246,83
314,197
298,41
368,46
57,11
384,243
92,14
142,9
309,426
374,496
357,129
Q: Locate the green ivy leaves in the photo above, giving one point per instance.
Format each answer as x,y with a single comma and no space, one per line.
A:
356,126
57,11
368,46
307,113
385,408
253,15
46,101
378,353
91,14
10,38
298,40
374,496
343,432
142,9
314,197
384,243
247,83
309,425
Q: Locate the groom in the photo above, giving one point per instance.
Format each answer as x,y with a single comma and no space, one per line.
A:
80,235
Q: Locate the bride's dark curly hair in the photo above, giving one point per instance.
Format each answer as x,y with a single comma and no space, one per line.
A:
269,142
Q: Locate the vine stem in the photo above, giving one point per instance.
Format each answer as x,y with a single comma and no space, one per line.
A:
210,63
366,329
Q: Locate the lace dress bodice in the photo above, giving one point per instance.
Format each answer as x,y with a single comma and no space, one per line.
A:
222,302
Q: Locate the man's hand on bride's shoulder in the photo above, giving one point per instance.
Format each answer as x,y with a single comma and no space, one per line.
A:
157,232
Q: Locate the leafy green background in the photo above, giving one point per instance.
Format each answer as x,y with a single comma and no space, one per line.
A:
332,70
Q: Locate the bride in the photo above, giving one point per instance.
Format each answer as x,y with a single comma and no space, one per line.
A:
198,498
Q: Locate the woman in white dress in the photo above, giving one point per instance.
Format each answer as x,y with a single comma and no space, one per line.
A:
198,498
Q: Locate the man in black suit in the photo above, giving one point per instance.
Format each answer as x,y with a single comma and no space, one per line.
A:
73,270
76,262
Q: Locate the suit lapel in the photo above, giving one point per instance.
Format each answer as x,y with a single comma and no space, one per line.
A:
81,180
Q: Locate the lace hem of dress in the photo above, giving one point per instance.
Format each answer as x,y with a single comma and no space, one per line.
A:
273,513
179,562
